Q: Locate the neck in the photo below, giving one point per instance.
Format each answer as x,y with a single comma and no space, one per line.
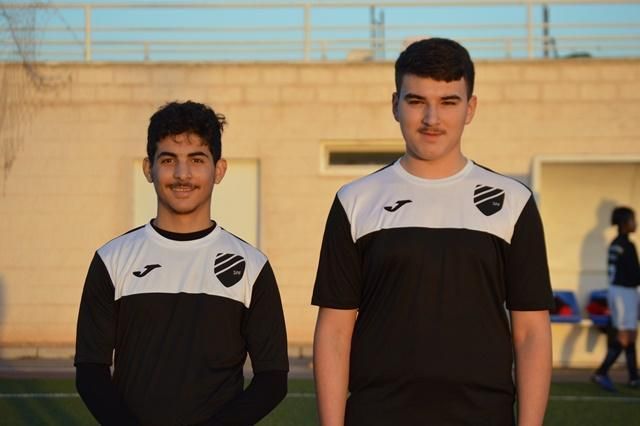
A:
433,169
182,224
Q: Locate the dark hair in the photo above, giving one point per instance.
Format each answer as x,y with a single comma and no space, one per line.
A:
438,58
621,215
175,118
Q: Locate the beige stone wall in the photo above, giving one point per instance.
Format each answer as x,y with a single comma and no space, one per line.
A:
70,187
576,203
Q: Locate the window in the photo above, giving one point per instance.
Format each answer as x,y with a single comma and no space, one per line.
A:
358,157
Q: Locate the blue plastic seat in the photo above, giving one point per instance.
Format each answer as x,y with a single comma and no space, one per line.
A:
567,298
601,297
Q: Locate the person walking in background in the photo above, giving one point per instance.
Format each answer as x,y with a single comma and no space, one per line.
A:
417,263
181,301
624,278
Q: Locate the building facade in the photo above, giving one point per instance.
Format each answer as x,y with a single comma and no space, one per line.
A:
73,144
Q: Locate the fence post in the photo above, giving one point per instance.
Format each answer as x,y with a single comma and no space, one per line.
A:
87,33
307,32
529,30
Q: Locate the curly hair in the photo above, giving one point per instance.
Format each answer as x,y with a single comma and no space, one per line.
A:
175,118
438,58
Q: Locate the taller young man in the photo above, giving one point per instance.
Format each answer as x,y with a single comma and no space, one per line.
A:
180,300
418,261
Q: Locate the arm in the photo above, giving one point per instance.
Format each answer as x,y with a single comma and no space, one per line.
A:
265,333
532,347
331,351
265,391
631,265
94,385
95,340
337,292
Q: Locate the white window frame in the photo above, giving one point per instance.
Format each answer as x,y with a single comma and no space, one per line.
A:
375,146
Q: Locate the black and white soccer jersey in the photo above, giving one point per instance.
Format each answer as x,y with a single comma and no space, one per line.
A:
181,317
430,264
623,267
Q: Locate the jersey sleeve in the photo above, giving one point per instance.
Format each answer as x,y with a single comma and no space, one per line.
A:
629,273
338,280
264,325
263,394
99,394
635,266
527,271
96,330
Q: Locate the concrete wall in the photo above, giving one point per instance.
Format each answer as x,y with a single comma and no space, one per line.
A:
577,195
70,187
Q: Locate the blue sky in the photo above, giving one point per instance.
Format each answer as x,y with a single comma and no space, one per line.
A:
471,24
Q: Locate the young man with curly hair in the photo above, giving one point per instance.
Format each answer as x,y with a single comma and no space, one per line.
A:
179,302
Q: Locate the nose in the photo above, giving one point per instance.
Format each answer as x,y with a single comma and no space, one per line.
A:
430,115
182,170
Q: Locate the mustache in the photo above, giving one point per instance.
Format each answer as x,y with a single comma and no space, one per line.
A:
431,129
182,185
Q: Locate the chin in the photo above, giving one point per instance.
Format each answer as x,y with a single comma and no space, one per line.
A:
180,209
427,156
185,210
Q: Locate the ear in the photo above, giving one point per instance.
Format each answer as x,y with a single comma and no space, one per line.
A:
221,169
146,169
394,105
471,109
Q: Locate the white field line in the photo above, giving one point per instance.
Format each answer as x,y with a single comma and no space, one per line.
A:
570,398
37,395
552,398
595,398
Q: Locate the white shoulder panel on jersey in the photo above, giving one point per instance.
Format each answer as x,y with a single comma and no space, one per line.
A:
219,264
475,199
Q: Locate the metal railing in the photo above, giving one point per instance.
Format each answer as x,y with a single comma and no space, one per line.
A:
314,31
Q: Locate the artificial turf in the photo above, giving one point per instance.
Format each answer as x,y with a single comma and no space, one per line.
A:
581,404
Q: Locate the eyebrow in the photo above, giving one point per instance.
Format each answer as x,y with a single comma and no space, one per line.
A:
191,154
413,96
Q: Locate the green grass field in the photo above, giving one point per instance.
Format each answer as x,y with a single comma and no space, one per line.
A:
571,404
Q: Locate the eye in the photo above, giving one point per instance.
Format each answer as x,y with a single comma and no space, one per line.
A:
166,160
449,103
198,160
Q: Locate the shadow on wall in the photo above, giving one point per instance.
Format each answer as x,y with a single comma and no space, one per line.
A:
595,247
593,258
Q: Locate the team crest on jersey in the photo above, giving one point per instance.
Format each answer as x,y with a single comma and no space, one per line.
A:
229,268
488,200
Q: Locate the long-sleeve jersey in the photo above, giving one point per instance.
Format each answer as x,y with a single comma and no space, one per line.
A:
181,315
624,269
